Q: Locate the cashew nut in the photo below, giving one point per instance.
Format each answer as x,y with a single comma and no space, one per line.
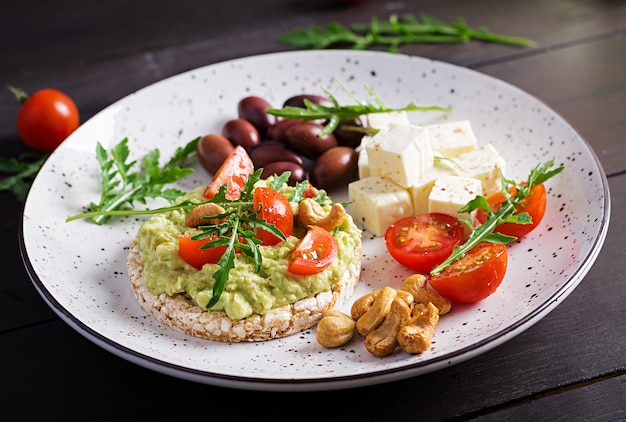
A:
406,296
311,213
375,316
383,340
416,285
363,304
197,216
335,328
416,335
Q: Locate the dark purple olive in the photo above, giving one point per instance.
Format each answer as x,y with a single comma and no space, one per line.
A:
212,150
348,137
335,168
278,131
304,139
271,151
252,109
298,100
241,132
279,167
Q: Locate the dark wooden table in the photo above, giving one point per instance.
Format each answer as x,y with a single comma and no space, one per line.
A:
571,365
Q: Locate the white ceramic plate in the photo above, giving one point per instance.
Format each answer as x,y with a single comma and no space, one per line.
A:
79,268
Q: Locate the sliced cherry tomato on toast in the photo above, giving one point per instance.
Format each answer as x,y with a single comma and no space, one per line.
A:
310,191
475,276
314,253
534,204
276,210
233,172
422,241
189,250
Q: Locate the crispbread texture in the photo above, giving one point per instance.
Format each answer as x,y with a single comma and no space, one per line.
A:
183,314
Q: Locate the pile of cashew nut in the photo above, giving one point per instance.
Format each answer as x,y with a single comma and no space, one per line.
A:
387,318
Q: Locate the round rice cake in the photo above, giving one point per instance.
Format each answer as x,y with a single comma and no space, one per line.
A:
183,314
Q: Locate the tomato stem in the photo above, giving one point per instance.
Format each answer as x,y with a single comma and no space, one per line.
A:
20,95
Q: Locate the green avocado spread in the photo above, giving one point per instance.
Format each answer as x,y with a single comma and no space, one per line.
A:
246,292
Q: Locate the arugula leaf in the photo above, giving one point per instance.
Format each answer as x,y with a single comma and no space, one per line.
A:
319,38
225,263
336,113
506,214
298,191
22,170
121,186
280,180
396,31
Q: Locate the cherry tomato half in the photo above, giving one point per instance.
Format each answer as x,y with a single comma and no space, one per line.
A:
46,118
423,241
310,191
276,210
534,204
475,276
234,172
314,253
191,253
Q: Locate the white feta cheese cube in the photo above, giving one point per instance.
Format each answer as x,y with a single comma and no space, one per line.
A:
363,163
421,190
400,153
453,138
484,164
449,193
376,203
377,121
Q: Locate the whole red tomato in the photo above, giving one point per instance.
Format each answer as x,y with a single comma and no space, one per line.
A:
45,118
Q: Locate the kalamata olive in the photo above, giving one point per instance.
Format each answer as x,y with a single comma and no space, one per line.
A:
335,168
279,167
347,137
252,109
270,151
212,150
298,100
241,132
304,139
278,131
